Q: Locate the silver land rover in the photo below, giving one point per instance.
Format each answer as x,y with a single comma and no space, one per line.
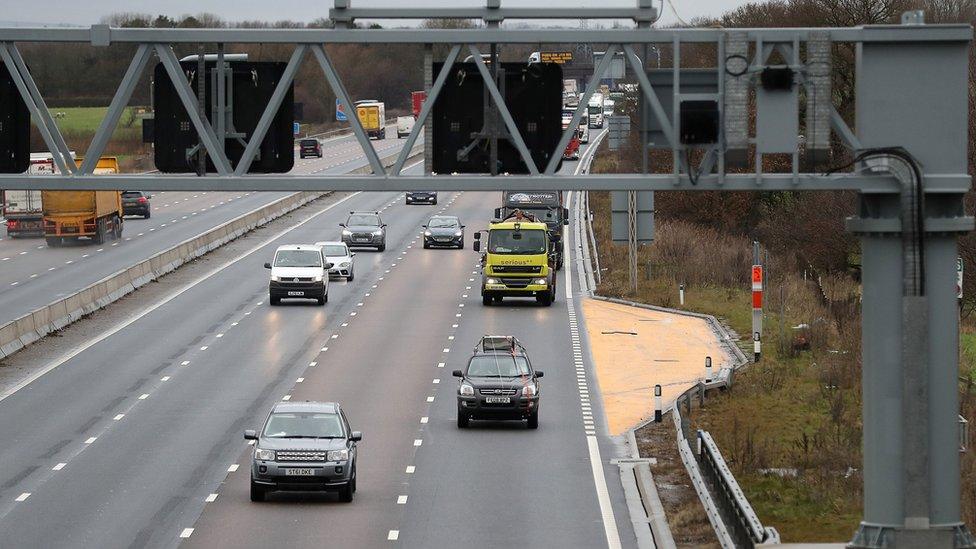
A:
304,446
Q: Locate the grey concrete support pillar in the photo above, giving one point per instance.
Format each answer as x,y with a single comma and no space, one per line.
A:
429,127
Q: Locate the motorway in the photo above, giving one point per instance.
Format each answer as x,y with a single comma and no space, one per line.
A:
33,275
134,440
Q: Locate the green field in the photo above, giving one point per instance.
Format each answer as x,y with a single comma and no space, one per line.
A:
87,119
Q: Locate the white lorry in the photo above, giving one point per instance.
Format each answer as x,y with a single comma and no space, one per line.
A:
595,110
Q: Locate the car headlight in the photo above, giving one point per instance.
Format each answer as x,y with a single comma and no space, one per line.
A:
530,390
264,455
490,280
378,232
339,455
427,233
459,233
346,232
344,265
466,390
275,278
317,278
540,281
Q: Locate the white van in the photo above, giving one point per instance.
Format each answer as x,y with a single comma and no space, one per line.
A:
404,126
299,271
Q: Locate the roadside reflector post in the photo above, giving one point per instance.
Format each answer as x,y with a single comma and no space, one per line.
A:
681,294
658,412
757,299
708,369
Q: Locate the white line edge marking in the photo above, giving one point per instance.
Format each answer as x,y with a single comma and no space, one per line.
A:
131,320
596,461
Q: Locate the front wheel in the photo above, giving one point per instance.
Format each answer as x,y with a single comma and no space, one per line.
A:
462,420
486,300
274,300
381,248
534,421
345,493
351,276
258,492
53,241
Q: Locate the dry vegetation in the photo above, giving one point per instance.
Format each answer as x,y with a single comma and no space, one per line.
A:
791,427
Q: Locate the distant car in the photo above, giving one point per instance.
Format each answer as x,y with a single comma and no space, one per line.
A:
136,203
572,150
364,229
299,271
404,126
341,258
309,147
444,230
498,383
304,446
427,197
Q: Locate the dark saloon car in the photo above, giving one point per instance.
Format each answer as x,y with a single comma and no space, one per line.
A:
444,230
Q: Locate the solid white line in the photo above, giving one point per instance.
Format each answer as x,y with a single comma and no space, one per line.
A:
596,461
126,323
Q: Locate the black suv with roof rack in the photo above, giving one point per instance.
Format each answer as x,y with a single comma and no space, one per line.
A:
498,383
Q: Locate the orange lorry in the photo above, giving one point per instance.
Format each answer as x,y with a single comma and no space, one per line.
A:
96,215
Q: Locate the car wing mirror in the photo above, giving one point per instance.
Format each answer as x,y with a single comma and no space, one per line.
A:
477,235
267,265
383,225
329,265
424,226
539,373
352,254
457,373
342,224
250,434
356,436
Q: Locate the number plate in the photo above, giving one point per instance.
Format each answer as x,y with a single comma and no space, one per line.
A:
299,472
498,400
296,293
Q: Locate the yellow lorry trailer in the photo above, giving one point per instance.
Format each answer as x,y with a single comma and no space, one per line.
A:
96,215
516,262
372,115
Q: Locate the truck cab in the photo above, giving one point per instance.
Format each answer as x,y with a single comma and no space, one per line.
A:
543,206
516,261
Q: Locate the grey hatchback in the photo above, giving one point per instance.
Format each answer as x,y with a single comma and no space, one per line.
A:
304,446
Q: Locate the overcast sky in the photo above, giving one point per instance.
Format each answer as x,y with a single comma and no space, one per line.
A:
53,12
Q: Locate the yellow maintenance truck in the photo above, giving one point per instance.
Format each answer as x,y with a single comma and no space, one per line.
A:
517,261
96,215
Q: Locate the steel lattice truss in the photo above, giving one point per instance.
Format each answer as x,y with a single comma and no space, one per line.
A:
713,176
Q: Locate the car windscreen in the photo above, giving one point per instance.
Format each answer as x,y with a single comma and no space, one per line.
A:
303,425
442,223
498,366
131,194
334,250
512,242
308,142
298,258
367,220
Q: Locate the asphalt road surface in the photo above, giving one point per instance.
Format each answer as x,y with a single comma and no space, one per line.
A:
33,275
135,441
